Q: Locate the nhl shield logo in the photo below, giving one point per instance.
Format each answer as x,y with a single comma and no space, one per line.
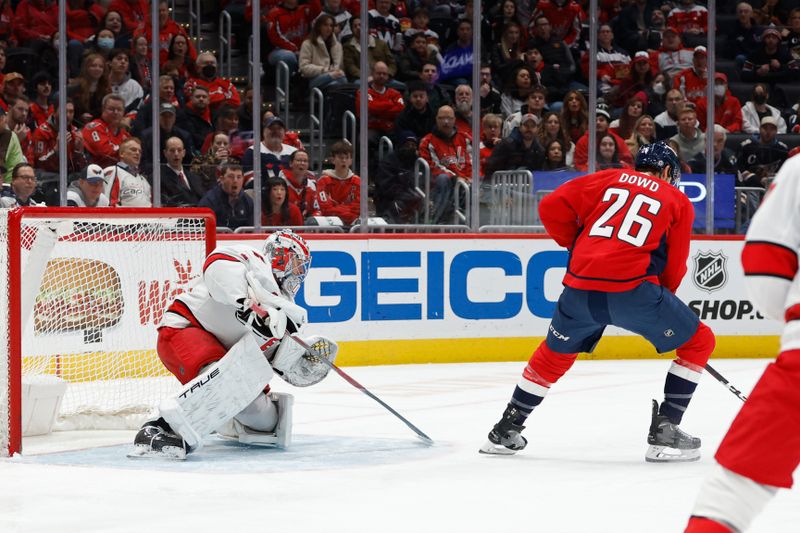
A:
710,273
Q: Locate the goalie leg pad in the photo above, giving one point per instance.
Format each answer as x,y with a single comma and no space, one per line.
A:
219,393
280,435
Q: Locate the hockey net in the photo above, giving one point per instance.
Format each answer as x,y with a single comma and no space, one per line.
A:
85,289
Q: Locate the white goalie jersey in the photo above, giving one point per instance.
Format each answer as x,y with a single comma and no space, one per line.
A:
212,300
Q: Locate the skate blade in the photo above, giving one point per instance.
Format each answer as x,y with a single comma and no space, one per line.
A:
665,454
491,448
172,453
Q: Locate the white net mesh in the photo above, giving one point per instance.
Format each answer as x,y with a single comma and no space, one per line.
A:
93,291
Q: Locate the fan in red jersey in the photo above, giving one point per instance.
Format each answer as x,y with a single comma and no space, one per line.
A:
628,236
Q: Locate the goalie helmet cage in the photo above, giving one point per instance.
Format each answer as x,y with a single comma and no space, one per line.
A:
85,289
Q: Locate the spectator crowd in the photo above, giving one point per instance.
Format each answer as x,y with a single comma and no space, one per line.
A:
652,76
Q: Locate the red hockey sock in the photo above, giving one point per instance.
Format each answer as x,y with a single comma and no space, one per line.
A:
548,364
704,525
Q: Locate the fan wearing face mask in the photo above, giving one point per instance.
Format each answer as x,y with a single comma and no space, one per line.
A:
754,110
727,108
220,91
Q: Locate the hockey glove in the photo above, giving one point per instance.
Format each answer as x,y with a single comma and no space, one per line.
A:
300,368
265,323
264,298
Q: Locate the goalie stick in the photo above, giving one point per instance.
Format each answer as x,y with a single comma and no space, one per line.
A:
422,436
736,392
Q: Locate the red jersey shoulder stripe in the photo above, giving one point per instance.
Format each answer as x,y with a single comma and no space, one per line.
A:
763,258
218,256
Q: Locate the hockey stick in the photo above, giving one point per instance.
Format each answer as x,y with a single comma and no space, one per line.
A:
726,383
422,436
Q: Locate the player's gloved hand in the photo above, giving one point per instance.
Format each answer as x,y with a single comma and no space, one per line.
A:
266,323
264,298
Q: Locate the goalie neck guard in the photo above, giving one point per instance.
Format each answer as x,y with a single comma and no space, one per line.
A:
289,257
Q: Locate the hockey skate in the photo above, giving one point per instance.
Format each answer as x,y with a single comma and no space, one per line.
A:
668,443
156,439
505,438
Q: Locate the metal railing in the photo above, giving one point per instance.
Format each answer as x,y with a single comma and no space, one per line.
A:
195,9
297,229
282,77
423,170
385,147
316,126
349,127
747,201
461,216
412,228
512,201
225,42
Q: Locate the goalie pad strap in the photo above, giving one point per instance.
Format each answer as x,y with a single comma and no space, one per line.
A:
219,393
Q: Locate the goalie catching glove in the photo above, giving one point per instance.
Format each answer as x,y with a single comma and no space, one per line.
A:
300,368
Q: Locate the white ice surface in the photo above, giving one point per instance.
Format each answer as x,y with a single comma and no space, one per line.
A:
355,468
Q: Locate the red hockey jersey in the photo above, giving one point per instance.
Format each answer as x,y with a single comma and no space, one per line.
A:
102,143
622,228
302,193
340,197
220,91
565,20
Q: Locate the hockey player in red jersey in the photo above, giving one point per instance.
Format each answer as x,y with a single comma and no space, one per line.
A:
762,447
628,236
224,338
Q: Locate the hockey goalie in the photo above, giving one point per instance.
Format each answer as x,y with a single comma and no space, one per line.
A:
224,339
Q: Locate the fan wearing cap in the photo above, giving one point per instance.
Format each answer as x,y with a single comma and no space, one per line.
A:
672,56
727,108
757,108
519,150
692,81
770,62
639,79
87,190
759,159
745,35
603,121
44,144
13,88
167,123
275,152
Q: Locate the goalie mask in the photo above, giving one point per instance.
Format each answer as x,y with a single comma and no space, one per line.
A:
289,257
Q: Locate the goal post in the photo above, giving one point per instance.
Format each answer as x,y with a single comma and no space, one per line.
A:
85,290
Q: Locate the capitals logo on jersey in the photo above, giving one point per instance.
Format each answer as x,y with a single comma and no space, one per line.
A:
710,272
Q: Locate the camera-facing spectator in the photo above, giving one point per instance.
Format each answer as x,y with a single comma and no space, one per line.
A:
103,136
613,63
377,50
321,55
518,87
437,95
745,36
644,132
689,138
9,144
120,81
339,189
35,22
417,53
207,165
667,122
693,80
18,113
673,57
417,116
575,115
23,186
582,146
196,118
385,25
551,129
88,189
724,158
491,97
691,20
90,88
608,153
771,61
755,109
566,17
555,156
179,185
302,185
520,150
231,206
44,145
634,108
220,91
166,95
277,209
535,103
13,88
384,103
449,156
341,17
125,185
167,125
41,108
275,153
180,58
727,108
759,159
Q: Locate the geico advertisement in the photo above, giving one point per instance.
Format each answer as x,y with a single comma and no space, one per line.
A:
95,296
486,286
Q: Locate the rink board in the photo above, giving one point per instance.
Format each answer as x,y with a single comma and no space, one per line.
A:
391,299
